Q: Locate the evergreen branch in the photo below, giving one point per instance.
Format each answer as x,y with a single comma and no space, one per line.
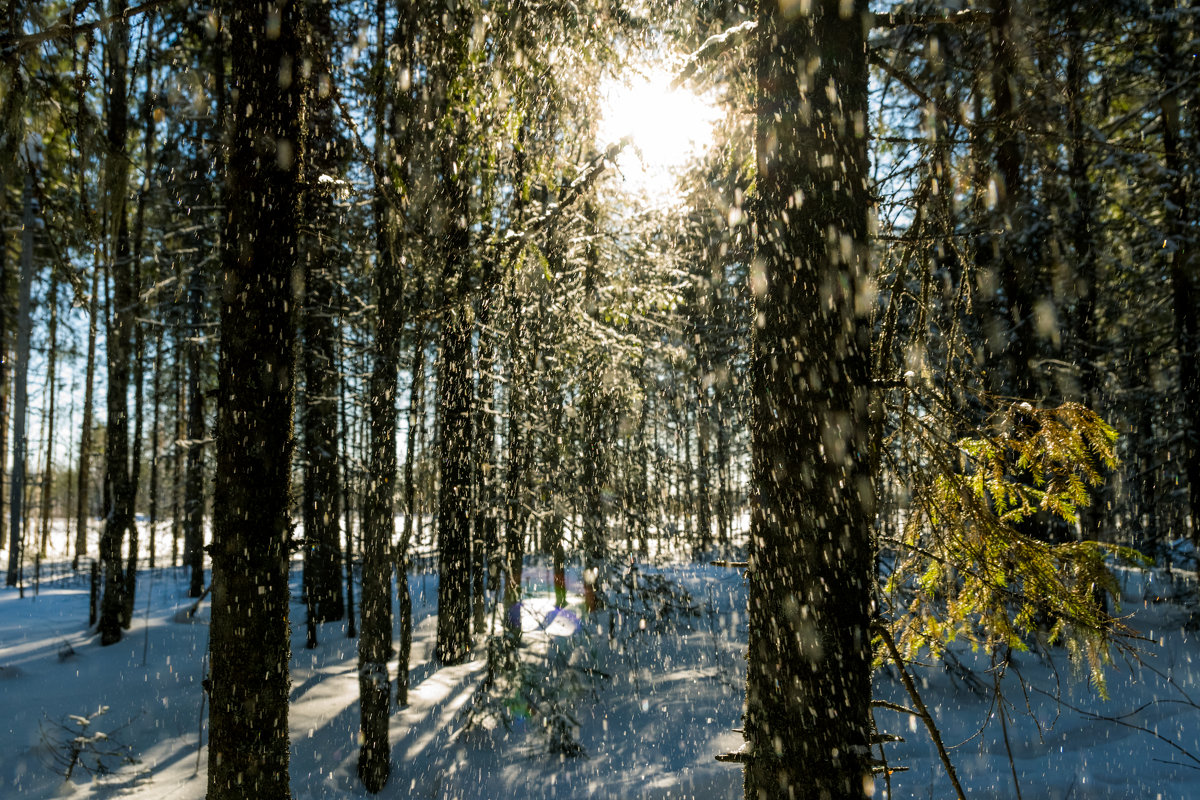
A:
922,711
713,46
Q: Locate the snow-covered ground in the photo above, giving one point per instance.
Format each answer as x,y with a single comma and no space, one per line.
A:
635,705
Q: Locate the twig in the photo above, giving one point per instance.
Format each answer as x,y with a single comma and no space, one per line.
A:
922,711
64,30
1118,721
997,674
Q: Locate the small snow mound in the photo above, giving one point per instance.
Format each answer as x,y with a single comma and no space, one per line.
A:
66,789
186,617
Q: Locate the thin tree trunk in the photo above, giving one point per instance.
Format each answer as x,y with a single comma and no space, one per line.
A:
139,341
594,469
379,515
519,449
83,478
154,445
454,501
179,450
193,504
484,467
347,506
323,561
51,380
21,386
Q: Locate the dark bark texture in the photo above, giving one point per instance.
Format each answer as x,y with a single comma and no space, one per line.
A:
118,341
322,534
808,673
250,647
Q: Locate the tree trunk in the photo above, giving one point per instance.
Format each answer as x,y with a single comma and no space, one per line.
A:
21,386
154,445
416,417
51,380
249,636
593,473
379,515
118,337
139,343
808,687
483,545
179,451
454,447
454,395
323,561
193,500
520,448
1184,260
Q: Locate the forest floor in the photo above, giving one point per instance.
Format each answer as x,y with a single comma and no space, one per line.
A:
631,704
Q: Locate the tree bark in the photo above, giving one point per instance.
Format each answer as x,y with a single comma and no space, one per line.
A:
808,685
155,388
323,561
1184,259
416,417
51,378
454,394
454,500
118,338
193,498
249,637
379,513
21,386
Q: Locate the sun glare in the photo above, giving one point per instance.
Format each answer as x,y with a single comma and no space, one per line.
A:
668,128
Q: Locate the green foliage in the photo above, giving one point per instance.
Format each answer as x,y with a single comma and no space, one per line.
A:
970,565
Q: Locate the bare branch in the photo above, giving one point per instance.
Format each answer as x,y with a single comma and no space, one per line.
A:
64,29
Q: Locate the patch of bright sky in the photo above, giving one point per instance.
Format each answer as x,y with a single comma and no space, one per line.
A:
669,129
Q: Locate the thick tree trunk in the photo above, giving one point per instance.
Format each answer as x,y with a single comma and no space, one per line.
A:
454,395
1184,262
808,687
118,337
1010,250
249,637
